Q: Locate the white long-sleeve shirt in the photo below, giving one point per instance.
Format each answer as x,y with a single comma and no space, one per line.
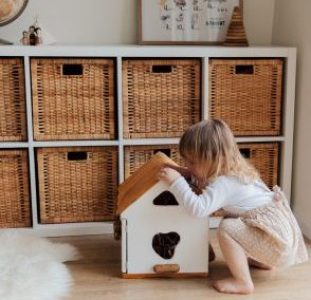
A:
225,192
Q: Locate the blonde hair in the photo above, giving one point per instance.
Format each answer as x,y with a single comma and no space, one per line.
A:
212,143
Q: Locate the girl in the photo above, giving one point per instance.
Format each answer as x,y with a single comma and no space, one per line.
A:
260,227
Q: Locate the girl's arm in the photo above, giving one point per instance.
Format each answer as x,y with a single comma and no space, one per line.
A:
211,199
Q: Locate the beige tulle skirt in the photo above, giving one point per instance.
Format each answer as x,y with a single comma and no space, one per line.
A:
269,234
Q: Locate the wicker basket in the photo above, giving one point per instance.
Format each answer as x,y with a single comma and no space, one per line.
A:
77,184
247,95
14,189
73,98
161,98
265,157
12,100
136,156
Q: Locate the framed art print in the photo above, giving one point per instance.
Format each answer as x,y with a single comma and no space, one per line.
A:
184,21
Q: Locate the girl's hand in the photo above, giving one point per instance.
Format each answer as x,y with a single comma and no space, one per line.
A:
168,175
182,170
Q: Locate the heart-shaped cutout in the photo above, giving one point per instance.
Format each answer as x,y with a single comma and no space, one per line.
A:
164,244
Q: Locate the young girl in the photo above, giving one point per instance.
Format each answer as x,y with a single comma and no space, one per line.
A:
259,227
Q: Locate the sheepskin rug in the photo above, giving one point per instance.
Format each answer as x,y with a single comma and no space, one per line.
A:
32,268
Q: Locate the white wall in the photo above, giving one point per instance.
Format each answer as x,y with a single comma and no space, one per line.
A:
79,21
258,18
114,21
292,23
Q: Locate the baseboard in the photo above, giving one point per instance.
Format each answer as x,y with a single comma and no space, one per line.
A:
305,225
71,229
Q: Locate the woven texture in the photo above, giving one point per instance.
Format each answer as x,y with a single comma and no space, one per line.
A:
246,94
73,99
161,98
77,184
137,156
269,234
12,100
236,35
14,189
265,158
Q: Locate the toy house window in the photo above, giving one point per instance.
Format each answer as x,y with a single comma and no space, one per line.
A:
164,199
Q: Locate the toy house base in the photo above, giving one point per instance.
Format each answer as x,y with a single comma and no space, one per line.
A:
175,275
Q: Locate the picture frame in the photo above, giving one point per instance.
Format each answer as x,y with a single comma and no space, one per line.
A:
184,22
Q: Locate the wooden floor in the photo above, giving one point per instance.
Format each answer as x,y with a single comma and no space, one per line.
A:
97,276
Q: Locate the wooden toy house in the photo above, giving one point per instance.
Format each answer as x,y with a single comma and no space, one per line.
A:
159,238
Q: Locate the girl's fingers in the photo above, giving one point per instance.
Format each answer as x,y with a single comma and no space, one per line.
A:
176,168
162,173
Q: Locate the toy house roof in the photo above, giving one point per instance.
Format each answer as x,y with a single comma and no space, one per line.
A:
141,181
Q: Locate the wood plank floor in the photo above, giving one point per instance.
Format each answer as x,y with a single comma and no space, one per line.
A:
97,276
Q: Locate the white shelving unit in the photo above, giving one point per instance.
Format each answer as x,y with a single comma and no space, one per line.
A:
119,52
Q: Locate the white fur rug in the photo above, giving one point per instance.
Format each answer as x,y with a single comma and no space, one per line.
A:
32,268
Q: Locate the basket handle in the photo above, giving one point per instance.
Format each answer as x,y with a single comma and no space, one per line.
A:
166,151
72,69
244,69
245,152
76,156
162,69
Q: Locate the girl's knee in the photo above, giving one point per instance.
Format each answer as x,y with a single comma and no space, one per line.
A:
224,228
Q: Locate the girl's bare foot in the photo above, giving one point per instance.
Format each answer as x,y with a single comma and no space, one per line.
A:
233,286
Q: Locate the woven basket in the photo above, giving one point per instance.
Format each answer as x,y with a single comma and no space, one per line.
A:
77,184
247,94
73,99
161,98
136,156
14,189
265,158
12,100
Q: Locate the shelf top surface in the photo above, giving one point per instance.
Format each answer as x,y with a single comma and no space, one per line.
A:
145,51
